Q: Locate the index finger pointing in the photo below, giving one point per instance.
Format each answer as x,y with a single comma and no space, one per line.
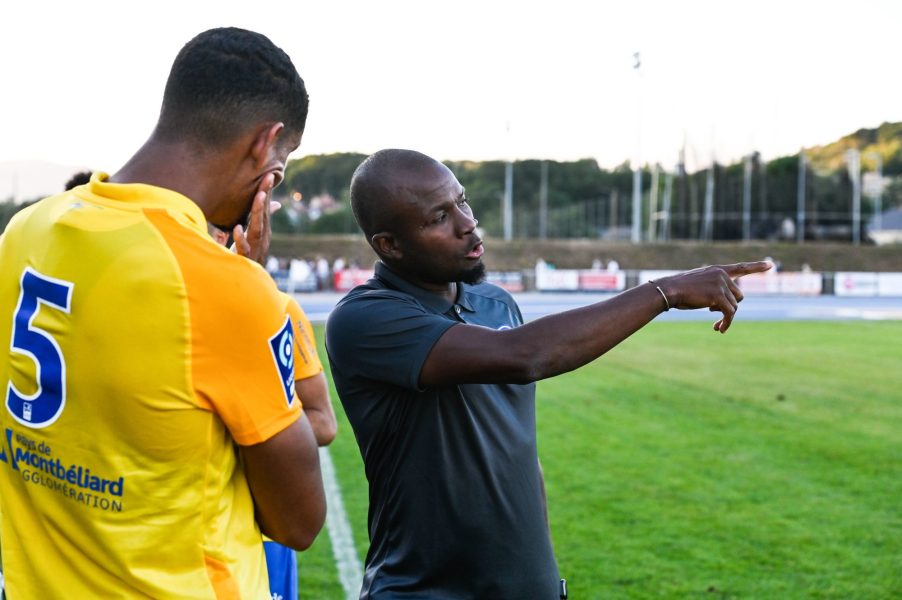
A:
747,268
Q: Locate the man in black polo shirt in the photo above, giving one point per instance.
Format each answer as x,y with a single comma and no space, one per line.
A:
435,371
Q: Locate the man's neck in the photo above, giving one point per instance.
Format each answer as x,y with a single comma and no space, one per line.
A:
448,291
173,166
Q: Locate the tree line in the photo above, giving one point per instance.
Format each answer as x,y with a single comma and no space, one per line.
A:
556,199
751,197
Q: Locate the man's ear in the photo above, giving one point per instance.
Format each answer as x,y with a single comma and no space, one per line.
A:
264,144
386,246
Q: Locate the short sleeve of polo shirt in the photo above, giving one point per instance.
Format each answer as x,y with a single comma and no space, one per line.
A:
383,335
306,359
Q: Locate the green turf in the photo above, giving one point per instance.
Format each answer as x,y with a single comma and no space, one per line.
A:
766,463
317,575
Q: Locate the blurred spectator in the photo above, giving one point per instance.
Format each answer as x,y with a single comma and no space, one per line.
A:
298,269
322,273
272,264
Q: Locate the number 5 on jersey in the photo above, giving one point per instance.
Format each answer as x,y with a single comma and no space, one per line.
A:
45,405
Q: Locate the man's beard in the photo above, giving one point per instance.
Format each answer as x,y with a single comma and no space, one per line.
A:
474,275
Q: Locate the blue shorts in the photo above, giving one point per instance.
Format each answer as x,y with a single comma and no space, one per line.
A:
282,564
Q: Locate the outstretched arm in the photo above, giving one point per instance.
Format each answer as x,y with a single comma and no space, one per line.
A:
559,343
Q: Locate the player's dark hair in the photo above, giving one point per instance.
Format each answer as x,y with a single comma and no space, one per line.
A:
226,80
378,179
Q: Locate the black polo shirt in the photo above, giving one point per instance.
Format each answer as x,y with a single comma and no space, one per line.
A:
455,501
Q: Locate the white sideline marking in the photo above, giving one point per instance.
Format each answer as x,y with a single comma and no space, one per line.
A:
350,570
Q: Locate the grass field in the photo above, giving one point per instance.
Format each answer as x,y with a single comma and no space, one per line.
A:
763,464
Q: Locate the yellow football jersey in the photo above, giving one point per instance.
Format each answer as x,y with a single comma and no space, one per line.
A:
136,353
306,358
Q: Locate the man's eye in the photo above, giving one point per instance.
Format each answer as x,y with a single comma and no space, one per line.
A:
441,218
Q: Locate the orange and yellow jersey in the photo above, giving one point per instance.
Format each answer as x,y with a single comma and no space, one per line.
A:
136,353
306,359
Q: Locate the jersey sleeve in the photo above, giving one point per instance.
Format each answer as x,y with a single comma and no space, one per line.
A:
306,360
241,340
383,336
244,364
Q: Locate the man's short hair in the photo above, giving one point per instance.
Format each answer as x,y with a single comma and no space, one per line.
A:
380,178
226,80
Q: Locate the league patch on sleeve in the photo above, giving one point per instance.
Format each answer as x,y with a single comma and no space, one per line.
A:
282,346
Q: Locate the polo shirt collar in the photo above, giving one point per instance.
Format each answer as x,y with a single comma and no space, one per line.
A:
425,297
144,196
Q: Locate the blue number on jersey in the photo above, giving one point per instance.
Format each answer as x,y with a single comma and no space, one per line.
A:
44,406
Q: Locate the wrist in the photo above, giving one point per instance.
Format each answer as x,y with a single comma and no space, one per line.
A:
663,296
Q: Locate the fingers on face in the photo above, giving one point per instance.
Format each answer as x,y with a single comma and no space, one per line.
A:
259,214
263,199
242,247
267,183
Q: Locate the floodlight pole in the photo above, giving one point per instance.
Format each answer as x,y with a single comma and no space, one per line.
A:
653,204
543,201
508,200
668,191
747,198
800,195
708,222
853,160
878,197
636,233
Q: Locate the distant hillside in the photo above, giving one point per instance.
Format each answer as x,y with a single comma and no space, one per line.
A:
885,140
22,180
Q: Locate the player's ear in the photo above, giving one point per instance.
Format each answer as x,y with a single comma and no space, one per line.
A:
264,144
386,245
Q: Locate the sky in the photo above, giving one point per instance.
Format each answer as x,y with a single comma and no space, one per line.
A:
82,81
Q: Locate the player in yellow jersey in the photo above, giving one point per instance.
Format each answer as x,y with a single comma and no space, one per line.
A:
310,380
310,385
150,431
313,391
